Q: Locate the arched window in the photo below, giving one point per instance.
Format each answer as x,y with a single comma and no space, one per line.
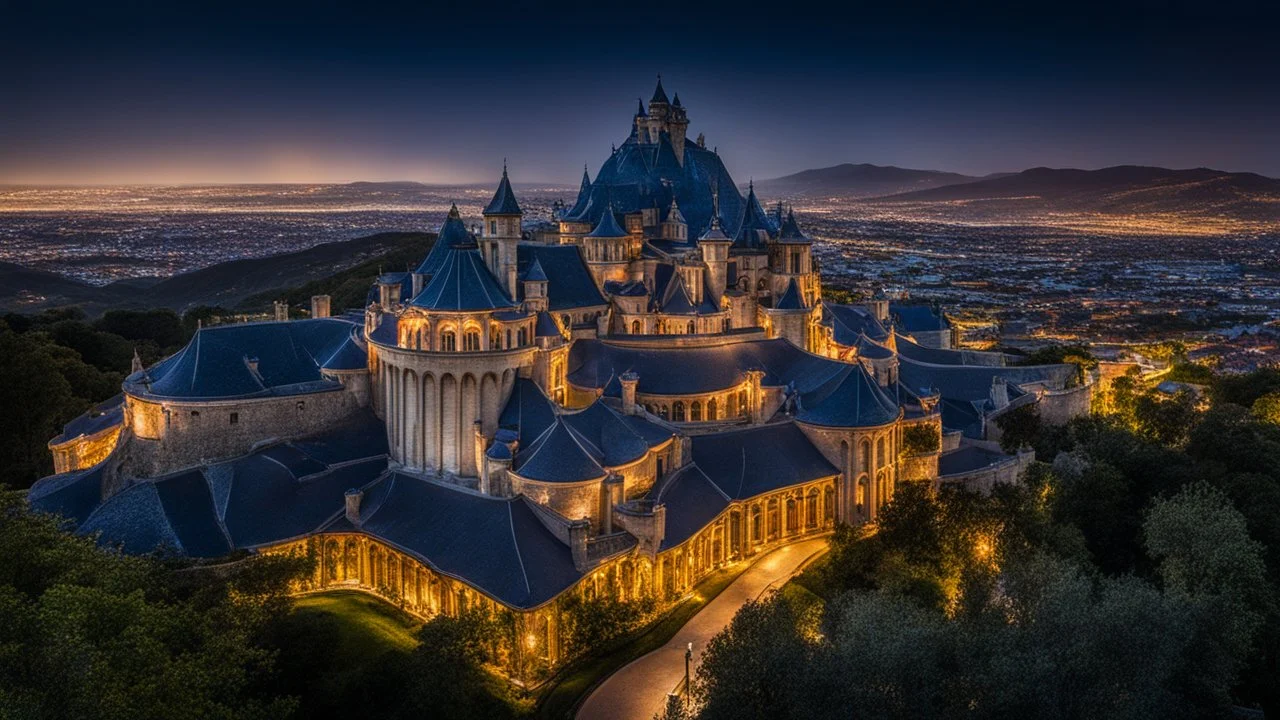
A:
775,522
757,531
666,413
691,330
793,516
865,452
863,483
811,509
471,341
522,337
508,337
742,403
711,409
566,321
677,411
829,503
880,453
495,338
695,411
448,341
662,326
760,284
635,327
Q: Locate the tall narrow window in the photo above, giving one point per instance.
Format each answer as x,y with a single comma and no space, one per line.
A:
635,327
695,411
677,411
471,341
448,341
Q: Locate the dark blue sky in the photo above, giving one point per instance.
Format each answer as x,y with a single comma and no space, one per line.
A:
322,91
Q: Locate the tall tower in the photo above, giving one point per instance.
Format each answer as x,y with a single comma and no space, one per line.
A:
714,245
501,233
678,125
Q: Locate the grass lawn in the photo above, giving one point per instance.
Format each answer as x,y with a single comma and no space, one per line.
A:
366,626
559,697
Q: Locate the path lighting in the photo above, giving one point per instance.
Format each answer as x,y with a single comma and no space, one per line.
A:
688,656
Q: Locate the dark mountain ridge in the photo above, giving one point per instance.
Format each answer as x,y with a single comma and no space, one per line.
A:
860,180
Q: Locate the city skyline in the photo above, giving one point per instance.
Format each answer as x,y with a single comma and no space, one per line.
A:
156,94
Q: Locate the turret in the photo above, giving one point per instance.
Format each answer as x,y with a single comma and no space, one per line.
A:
675,228
678,126
501,233
535,287
714,245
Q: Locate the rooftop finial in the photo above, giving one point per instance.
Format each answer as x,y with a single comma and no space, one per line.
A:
504,167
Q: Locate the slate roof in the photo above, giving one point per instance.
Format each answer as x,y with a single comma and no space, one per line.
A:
216,362
790,231
871,349
528,411
644,175
918,318
973,382
463,283
792,299
611,438
659,95
453,234
569,282
559,455
403,279
608,227
692,501
755,228
748,462
105,414
269,496
584,196
535,273
967,459
547,326
504,199
495,544
690,370
850,321
352,354
851,399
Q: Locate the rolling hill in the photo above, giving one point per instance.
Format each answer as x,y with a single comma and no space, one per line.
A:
1121,190
858,181
229,284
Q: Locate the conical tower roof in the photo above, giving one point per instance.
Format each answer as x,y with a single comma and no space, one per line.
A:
659,95
607,227
504,200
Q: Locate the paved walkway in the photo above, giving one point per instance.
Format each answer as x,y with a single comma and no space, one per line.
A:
639,690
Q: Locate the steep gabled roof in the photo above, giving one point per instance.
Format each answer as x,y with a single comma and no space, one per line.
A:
569,283
504,200
608,227
659,95
852,400
755,229
463,283
759,459
452,234
559,455
790,231
792,299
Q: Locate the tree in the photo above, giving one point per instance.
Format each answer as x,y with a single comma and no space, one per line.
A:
90,633
1019,428
757,667
1267,408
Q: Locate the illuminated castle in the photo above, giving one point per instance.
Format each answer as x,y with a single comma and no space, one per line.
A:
657,391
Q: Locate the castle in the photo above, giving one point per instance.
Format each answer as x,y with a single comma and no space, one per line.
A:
651,391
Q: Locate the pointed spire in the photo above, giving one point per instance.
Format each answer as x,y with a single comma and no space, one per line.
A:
453,212
640,111
137,362
504,199
659,95
675,102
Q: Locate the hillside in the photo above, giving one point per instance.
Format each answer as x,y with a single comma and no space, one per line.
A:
858,181
1121,190
331,267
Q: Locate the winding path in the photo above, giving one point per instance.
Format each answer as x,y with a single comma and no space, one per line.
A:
638,691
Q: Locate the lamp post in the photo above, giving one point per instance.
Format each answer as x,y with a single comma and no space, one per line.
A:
688,656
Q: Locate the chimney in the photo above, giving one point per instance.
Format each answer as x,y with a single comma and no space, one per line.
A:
612,492
354,497
578,532
319,306
629,381
999,393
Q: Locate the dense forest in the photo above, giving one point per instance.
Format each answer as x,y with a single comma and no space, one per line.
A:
1135,572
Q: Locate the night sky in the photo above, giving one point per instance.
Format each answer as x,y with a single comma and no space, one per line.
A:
335,92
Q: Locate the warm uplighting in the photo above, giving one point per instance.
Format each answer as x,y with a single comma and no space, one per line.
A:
531,641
